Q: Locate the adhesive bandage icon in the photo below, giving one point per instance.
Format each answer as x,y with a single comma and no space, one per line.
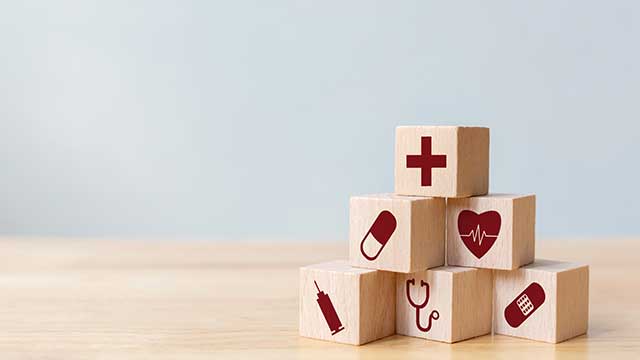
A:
381,230
525,304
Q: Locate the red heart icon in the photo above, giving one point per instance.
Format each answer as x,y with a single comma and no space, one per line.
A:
479,232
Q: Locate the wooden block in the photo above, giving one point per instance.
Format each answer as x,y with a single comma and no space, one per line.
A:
396,233
545,301
456,303
495,231
442,161
345,304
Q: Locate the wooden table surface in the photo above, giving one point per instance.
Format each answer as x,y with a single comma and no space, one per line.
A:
99,299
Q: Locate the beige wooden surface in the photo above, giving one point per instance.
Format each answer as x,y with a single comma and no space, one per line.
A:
167,300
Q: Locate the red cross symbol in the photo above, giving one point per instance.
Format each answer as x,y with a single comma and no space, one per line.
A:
426,161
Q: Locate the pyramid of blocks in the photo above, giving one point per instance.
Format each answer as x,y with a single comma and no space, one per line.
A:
441,258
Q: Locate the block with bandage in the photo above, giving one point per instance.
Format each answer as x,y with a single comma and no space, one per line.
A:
545,301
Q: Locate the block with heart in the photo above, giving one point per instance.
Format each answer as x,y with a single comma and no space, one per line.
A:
545,301
442,161
344,304
446,304
396,233
495,231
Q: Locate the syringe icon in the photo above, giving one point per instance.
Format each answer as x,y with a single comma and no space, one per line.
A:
329,311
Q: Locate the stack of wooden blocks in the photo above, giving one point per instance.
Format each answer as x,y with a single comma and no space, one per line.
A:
396,281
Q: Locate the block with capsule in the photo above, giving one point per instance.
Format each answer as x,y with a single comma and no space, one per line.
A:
396,233
344,304
442,161
494,231
545,301
446,304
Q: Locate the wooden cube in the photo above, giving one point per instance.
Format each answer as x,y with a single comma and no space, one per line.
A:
447,304
396,233
495,231
344,304
442,161
546,301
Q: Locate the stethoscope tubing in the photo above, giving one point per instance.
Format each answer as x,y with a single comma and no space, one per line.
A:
435,315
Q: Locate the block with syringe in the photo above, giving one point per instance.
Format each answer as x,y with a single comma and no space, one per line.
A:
345,304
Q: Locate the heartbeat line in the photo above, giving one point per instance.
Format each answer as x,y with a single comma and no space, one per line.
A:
477,236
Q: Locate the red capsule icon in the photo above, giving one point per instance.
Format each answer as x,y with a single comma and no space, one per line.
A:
381,230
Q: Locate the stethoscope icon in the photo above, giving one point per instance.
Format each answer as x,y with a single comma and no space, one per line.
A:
435,315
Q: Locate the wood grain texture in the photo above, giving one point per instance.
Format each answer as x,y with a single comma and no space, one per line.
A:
515,244
472,304
562,315
461,296
363,300
467,161
417,242
96,299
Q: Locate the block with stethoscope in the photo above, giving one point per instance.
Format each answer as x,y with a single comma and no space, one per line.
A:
446,304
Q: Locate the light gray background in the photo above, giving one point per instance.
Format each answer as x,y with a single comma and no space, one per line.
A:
258,119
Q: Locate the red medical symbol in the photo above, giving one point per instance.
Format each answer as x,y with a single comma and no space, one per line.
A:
426,161
478,231
381,230
329,312
435,315
524,304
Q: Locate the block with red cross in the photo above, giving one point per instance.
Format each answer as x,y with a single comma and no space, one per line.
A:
442,161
